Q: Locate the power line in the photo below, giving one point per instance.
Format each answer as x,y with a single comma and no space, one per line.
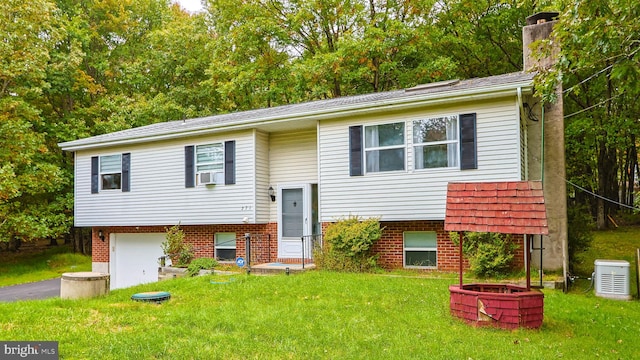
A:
592,106
601,197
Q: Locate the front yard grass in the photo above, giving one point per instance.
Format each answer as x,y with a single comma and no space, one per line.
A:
315,315
24,267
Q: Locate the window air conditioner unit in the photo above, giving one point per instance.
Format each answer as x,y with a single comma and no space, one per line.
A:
209,177
612,279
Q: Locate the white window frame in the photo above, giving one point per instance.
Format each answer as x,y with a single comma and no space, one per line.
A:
224,247
110,171
369,150
453,143
418,249
211,165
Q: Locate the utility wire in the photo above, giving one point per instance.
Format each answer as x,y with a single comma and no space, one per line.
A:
601,197
622,57
589,78
592,106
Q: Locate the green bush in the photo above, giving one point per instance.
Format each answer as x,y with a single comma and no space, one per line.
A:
489,254
176,248
348,245
201,264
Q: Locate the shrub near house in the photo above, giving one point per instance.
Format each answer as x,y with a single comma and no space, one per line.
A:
349,244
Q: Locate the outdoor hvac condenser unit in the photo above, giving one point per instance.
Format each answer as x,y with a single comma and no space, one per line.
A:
612,279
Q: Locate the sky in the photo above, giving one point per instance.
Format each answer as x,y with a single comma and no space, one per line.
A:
190,5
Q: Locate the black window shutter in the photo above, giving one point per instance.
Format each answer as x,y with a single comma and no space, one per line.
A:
229,162
126,167
355,151
189,173
95,175
468,157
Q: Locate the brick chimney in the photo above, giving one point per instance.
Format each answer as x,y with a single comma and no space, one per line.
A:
548,163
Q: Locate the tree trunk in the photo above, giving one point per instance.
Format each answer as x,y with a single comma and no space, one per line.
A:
601,223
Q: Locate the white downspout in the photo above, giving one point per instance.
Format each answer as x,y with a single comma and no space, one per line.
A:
524,136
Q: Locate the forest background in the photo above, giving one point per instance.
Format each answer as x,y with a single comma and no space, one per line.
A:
72,69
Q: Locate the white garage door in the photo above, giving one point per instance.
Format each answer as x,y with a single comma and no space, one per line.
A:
134,259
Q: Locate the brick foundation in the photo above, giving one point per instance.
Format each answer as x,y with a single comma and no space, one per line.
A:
265,242
390,246
264,246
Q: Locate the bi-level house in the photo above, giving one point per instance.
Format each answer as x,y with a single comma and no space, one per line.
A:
282,173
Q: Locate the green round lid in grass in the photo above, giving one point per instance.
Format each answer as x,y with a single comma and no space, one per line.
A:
153,296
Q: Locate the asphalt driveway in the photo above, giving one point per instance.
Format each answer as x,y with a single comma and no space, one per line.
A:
31,291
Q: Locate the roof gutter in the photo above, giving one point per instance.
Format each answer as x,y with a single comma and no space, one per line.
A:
409,102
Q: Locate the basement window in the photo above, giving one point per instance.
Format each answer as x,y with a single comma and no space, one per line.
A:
225,246
420,249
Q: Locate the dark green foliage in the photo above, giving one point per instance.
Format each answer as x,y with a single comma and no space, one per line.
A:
489,254
579,232
201,264
348,245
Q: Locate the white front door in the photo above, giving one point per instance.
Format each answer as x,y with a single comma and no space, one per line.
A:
134,259
294,219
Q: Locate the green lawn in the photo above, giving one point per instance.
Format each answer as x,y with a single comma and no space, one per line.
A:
316,315
48,264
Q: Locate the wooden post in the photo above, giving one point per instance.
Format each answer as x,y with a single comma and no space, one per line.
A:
527,260
460,237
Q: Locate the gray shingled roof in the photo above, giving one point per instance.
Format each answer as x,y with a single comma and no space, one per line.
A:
426,93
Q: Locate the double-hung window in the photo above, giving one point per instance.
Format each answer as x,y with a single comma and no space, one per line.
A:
435,142
384,147
217,158
225,246
210,157
420,249
111,172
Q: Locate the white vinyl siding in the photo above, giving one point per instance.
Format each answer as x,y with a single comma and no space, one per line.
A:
263,202
293,159
160,196
414,194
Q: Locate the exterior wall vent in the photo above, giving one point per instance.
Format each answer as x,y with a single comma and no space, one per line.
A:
612,279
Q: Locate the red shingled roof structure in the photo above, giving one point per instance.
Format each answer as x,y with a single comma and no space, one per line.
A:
515,207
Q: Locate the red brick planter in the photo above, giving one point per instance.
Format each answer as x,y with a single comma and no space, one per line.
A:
500,305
